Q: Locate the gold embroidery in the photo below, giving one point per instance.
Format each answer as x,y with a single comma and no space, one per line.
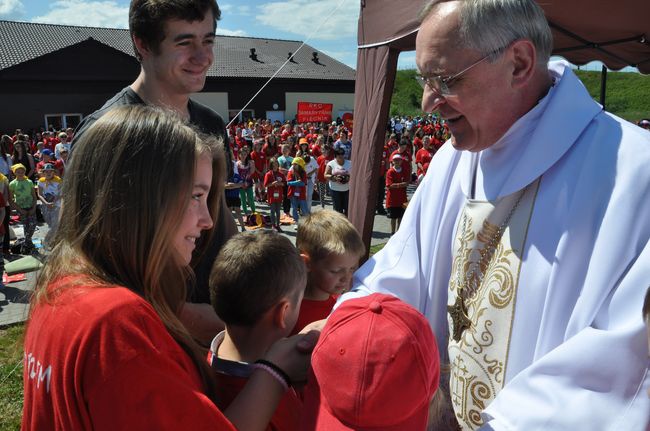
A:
480,322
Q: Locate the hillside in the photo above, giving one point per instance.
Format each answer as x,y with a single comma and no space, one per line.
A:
628,94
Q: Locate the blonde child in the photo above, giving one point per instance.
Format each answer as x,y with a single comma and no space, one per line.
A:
49,193
331,247
257,283
23,200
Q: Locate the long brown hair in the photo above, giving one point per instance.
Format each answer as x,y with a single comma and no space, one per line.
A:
126,187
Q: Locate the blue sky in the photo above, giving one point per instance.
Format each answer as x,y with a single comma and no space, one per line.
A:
327,25
277,19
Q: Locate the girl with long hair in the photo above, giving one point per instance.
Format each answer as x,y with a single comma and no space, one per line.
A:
21,155
104,346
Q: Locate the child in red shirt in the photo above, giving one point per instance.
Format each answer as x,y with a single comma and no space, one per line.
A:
259,159
331,247
257,283
327,156
274,182
424,156
397,179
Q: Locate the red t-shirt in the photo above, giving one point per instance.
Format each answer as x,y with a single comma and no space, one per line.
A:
406,160
299,192
312,310
422,157
260,161
274,194
417,143
315,150
100,358
396,197
322,166
287,414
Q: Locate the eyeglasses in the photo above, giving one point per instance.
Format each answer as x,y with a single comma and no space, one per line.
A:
440,84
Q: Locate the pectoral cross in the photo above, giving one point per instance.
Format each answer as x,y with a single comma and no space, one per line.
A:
459,319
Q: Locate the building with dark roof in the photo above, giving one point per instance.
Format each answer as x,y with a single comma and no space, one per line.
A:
56,74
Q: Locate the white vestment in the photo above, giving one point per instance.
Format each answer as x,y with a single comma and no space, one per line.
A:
578,356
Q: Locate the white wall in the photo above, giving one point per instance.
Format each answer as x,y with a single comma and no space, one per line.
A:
341,101
216,101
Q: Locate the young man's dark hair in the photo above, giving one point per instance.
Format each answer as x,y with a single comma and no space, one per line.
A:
147,18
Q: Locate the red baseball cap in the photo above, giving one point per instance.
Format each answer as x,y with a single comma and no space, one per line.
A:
376,366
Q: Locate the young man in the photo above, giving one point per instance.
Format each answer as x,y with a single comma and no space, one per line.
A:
173,40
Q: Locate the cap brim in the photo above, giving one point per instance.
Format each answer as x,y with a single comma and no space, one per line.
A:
317,415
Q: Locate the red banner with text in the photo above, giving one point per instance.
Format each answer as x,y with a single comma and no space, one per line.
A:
309,112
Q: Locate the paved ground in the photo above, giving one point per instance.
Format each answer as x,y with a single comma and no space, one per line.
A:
14,299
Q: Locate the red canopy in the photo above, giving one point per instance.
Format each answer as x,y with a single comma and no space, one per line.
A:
616,33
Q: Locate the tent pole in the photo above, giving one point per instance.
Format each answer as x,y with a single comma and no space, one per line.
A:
603,85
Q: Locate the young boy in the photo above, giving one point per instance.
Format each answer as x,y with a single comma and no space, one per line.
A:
257,283
397,180
274,182
331,248
375,367
23,200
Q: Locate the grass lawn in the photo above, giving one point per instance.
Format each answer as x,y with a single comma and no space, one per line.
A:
11,377
375,248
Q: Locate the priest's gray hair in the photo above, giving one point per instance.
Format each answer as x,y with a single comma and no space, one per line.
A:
490,25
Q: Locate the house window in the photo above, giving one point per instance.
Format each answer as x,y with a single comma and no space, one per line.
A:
246,114
62,121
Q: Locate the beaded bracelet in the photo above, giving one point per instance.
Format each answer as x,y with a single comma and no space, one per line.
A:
277,372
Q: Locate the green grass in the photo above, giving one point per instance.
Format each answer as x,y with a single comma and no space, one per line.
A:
11,377
375,248
627,94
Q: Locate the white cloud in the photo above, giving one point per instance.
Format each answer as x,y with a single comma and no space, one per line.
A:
231,9
226,32
86,13
304,17
11,9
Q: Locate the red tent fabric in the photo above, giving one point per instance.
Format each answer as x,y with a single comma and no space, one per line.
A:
618,34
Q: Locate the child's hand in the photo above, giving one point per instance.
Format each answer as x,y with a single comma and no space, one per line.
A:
293,354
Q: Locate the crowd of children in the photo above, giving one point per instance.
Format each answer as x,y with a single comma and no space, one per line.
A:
29,174
314,160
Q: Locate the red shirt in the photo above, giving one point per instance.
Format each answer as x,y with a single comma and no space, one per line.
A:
260,161
422,157
100,358
274,194
297,191
286,416
396,197
417,142
322,166
406,162
315,150
311,311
